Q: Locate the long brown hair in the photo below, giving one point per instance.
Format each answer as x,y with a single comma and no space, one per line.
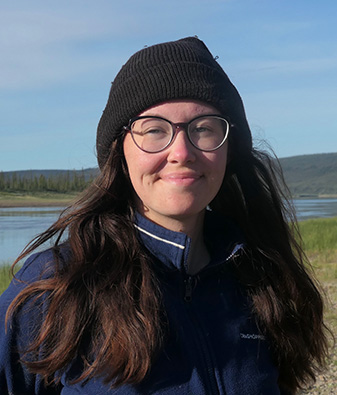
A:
108,290
105,292
286,298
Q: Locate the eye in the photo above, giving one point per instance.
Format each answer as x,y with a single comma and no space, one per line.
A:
204,129
150,128
201,129
154,131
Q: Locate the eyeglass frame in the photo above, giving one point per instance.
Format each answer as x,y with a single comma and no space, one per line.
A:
175,126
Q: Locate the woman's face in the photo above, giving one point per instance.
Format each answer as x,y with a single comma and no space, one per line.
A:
180,181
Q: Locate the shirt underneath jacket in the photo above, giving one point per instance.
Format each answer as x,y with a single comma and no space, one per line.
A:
213,345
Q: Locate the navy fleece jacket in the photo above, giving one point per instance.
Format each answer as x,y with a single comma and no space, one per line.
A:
213,344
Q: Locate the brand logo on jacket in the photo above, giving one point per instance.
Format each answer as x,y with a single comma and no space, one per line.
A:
252,336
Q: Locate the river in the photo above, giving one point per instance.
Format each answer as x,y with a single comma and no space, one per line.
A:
18,225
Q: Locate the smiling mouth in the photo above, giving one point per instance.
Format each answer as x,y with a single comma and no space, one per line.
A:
182,179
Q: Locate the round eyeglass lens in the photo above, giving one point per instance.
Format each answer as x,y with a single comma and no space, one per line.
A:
151,134
208,133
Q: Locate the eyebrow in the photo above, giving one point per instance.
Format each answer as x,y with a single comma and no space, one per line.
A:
191,119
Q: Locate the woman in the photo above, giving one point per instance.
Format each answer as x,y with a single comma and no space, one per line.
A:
180,273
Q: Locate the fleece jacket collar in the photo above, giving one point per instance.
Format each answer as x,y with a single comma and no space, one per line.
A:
222,237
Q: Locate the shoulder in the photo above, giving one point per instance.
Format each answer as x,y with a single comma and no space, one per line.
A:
19,331
38,266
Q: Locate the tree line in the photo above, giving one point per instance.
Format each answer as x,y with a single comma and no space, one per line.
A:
63,182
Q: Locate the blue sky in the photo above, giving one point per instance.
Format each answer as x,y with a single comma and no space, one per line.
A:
58,59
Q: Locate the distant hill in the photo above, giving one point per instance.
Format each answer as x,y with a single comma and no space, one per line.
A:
311,174
306,175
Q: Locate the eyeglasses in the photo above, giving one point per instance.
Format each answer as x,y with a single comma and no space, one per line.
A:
153,134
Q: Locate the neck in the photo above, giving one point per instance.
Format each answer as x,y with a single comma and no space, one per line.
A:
194,228
198,255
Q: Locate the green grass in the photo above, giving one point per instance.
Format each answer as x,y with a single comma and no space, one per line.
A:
320,244
319,234
5,276
17,199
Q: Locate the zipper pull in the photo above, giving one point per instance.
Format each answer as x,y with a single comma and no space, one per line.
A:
189,285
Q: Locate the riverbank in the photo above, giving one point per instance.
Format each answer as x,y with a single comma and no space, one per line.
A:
325,267
50,199
320,243
42,199
313,196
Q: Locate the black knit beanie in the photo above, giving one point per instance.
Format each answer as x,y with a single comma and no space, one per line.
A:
183,69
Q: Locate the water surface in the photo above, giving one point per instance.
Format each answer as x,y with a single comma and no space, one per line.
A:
315,208
19,225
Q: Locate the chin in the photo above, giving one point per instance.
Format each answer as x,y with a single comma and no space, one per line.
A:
183,214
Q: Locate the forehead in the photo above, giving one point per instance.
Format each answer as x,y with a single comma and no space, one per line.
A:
180,110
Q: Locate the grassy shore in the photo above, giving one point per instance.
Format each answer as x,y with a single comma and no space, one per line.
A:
320,242
5,275
50,199
41,199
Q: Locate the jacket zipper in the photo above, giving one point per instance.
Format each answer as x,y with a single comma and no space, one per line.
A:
189,286
208,361
190,283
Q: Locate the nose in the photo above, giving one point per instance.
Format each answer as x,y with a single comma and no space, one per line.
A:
181,150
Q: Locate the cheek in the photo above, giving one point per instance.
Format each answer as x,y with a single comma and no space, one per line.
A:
141,165
130,155
219,163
